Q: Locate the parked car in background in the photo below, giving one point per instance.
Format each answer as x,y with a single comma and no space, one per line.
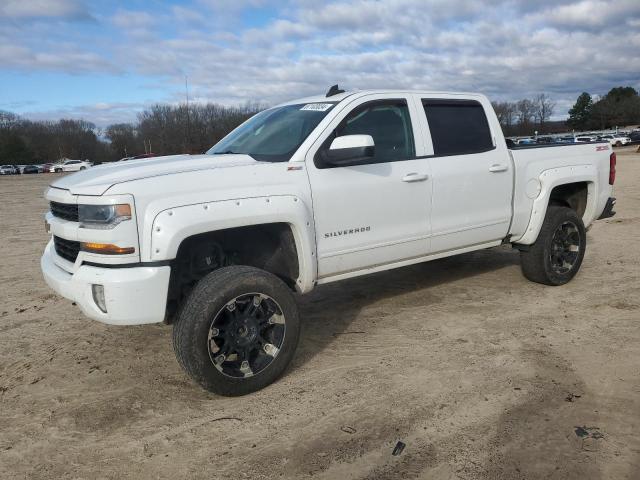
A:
72,166
586,138
616,140
46,168
526,141
635,136
567,139
545,140
30,169
9,170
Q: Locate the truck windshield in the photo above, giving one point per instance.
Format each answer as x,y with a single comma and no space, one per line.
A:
275,134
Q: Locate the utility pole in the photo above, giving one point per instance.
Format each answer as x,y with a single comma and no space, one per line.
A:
187,142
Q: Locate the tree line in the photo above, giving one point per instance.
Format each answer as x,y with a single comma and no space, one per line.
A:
160,129
620,107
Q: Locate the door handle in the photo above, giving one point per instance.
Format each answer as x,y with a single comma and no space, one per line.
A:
498,168
415,177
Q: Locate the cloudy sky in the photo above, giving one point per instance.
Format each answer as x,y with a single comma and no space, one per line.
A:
104,61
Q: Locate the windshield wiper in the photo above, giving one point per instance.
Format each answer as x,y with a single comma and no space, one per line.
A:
226,152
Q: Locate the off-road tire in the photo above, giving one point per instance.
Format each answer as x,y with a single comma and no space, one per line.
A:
536,261
194,320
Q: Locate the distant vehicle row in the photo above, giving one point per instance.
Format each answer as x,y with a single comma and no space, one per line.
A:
615,140
67,166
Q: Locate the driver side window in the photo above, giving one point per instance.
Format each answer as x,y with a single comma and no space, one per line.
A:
389,124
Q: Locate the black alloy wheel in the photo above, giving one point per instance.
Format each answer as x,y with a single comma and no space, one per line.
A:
246,335
565,248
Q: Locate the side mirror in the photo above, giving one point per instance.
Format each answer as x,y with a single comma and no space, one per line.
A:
350,150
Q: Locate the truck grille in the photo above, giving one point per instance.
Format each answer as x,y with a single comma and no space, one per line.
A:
66,211
67,249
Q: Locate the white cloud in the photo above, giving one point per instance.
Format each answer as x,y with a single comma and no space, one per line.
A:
591,14
507,49
131,20
100,114
61,9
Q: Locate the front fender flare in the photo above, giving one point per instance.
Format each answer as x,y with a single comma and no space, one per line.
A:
172,226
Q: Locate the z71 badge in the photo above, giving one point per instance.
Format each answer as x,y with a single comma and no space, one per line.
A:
350,231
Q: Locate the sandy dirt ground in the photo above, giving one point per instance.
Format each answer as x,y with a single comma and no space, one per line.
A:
482,374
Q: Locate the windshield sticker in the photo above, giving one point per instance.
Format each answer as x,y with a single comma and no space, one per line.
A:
317,107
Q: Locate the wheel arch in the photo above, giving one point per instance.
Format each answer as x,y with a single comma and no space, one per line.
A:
274,233
270,247
573,186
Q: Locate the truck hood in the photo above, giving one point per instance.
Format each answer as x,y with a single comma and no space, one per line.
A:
97,180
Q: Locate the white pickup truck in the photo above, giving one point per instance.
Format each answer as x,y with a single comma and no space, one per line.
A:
310,192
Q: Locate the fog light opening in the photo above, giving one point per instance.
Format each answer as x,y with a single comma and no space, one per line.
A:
98,297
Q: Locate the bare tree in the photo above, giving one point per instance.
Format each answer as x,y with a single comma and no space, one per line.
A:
544,107
506,112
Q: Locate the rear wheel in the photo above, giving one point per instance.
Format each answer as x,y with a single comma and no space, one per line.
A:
58,170
237,331
556,256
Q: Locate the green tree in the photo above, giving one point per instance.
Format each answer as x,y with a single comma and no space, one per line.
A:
580,113
619,107
619,94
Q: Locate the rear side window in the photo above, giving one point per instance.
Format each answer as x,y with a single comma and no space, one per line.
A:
458,127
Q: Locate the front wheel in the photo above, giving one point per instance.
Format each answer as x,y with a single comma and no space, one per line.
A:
556,256
58,170
237,331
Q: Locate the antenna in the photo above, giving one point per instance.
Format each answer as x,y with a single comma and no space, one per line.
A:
334,90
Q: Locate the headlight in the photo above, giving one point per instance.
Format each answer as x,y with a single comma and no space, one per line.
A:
103,216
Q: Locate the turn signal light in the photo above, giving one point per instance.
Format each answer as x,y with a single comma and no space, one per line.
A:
612,169
105,248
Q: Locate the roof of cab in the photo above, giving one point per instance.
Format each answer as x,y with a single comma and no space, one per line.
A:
359,93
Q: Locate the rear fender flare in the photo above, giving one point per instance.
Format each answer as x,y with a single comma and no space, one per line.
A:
549,179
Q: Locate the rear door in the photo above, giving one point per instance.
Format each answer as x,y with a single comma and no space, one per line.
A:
472,175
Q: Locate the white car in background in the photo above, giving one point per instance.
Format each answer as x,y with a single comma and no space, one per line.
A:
71,166
9,170
586,138
616,140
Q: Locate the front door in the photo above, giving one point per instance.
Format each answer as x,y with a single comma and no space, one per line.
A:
374,214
